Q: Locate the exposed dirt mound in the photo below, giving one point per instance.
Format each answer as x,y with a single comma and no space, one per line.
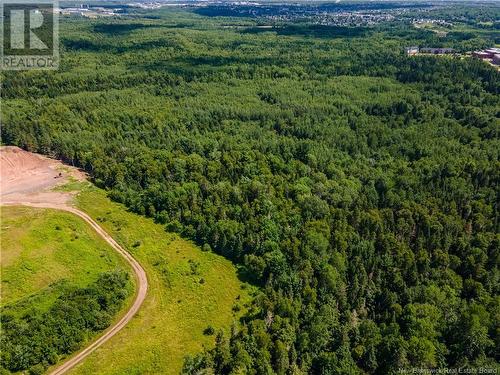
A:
29,177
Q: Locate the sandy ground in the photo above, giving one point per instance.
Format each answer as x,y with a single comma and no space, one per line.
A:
27,179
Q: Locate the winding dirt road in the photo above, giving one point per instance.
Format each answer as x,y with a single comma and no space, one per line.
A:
137,268
25,180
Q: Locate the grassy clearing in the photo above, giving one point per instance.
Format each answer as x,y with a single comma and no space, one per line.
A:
45,251
188,290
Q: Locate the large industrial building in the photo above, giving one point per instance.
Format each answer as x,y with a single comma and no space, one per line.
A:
486,53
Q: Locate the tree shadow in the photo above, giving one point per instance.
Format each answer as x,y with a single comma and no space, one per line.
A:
91,46
120,28
315,31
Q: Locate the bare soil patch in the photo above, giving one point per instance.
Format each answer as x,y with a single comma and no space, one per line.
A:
29,177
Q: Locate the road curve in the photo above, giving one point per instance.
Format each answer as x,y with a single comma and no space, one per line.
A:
137,268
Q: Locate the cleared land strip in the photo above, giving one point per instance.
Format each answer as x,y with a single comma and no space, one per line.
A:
138,271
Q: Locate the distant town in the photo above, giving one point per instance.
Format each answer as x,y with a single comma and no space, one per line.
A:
335,13
89,11
328,14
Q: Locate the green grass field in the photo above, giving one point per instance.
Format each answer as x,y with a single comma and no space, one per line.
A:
188,290
45,251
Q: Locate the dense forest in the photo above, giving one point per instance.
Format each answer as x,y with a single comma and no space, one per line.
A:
37,339
358,187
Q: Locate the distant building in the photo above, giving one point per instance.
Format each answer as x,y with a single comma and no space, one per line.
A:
482,54
410,51
488,53
437,51
494,51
